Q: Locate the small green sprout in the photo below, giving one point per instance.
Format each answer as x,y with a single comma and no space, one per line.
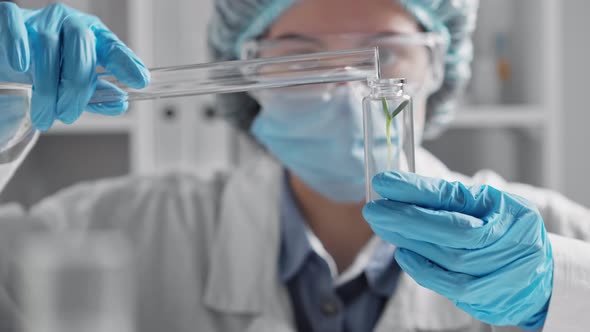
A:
388,119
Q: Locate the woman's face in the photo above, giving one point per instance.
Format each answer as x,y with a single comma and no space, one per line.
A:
318,18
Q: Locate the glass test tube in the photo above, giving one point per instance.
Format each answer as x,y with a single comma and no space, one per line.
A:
388,130
17,134
246,75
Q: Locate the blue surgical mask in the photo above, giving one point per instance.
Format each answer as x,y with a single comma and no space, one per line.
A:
317,137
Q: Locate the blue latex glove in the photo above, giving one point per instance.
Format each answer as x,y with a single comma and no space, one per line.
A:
57,49
484,249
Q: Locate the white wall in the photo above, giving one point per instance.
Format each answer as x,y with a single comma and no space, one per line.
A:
576,110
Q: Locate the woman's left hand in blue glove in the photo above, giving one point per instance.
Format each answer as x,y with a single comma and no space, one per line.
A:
484,249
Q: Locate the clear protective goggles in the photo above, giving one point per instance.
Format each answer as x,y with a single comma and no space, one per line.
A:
417,57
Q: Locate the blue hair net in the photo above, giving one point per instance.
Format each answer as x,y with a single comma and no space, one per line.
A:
235,21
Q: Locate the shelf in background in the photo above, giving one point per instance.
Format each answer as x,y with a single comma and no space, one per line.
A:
92,124
500,116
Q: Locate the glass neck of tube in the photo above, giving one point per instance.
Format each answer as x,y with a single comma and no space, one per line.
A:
247,75
386,87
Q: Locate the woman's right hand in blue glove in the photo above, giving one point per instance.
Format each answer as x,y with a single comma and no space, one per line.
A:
57,50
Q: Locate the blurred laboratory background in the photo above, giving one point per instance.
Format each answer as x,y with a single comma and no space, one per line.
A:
524,114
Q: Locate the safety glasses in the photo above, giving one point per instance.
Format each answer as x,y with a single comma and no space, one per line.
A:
418,57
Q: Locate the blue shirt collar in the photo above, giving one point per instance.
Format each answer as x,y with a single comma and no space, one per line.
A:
295,248
381,273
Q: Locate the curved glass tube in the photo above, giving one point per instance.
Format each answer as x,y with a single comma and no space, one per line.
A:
18,135
246,75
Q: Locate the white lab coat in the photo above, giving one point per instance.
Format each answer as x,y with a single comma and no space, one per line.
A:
207,252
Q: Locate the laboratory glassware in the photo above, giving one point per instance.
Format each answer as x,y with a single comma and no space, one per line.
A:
77,281
247,75
388,130
17,135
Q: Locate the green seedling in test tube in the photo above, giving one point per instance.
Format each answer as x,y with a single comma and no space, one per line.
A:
388,119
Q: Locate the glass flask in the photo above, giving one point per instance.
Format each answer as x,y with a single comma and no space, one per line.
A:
388,130
17,134
77,281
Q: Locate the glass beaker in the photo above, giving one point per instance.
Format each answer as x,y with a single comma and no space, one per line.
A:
388,130
17,134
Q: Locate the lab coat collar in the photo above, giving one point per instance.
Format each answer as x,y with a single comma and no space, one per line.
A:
243,272
245,248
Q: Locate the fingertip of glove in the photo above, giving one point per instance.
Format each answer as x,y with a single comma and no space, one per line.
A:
71,104
139,76
367,210
42,124
42,116
127,67
144,72
146,77
379,212
68,117
372,206
386,183
390,177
